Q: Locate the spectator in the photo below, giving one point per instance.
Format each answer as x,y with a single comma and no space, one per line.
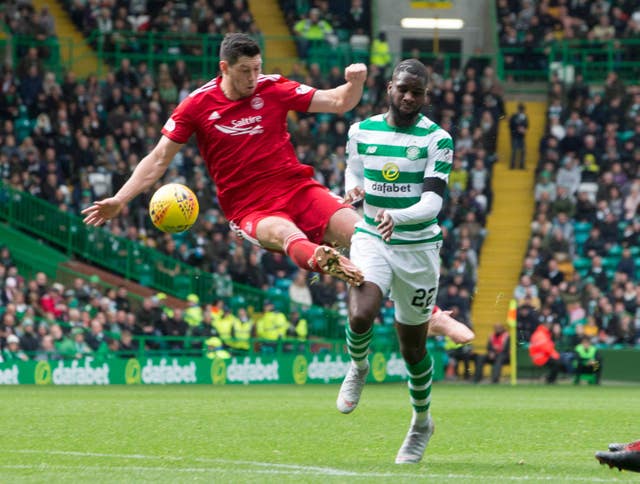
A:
80,346
498,351
272,325
527,318
380,52
47,350
96,339
63,345
518,125
12,351
299,292
587,361
311,32
456,354
543,352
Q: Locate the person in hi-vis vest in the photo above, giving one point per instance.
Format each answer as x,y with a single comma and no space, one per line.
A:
242,331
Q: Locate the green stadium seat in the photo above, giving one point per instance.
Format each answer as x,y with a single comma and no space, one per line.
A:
316,318
582,227
282,284
237,302
622,225
582,265
383,335
615,251
580,238
610,262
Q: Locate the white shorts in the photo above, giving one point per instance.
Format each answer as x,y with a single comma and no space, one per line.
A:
408,273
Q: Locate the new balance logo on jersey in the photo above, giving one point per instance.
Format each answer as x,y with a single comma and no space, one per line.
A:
371,149
249,125
214,116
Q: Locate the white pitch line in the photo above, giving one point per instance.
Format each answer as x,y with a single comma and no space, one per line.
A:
271,468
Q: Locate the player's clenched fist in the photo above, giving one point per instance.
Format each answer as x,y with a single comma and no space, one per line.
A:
356,73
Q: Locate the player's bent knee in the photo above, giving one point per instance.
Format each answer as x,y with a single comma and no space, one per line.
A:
272,232
361,320
413,355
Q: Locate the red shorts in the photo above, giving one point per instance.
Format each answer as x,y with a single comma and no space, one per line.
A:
310,208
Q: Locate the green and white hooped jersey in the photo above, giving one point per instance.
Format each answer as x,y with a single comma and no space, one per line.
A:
392,164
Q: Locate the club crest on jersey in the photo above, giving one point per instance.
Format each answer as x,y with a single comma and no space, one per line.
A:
413,152
257,103
170,125
390,171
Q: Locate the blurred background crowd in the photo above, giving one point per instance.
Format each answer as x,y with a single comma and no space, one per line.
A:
71,141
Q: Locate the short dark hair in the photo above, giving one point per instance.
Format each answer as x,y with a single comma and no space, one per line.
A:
236,45
412,66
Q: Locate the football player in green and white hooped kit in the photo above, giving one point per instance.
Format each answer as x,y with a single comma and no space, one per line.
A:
400,163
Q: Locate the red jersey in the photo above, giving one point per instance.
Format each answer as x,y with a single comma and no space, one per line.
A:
245,143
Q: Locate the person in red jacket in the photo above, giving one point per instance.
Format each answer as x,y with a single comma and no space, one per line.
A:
622,456
543,352
497,353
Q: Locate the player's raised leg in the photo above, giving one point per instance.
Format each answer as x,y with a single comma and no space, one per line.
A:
420,371
442,324
281,233
338,233
364,305
330,261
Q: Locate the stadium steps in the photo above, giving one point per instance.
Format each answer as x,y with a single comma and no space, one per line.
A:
29,254
76,54
508,225
279,46
111,279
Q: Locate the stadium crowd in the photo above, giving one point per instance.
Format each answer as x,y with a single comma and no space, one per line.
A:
532,26
71,141
41,319
581,269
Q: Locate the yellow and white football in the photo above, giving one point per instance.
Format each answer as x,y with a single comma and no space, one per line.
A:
173,208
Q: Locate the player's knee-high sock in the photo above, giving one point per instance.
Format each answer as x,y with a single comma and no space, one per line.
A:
358,346
300,249
420,388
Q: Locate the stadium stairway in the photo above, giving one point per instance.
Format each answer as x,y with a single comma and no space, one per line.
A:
110,279
29,254
75,52
280,49
32,256
508,226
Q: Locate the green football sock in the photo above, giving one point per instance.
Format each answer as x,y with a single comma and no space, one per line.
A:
420,388
358,346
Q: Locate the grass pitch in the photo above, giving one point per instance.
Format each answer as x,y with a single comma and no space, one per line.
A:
484,434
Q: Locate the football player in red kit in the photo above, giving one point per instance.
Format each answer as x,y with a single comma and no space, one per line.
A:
239,120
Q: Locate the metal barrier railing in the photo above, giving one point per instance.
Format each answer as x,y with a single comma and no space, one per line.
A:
147,266
200,52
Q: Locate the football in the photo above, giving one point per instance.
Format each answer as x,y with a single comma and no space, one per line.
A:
173,208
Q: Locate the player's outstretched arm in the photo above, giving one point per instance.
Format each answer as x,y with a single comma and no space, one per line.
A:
342,98
148,171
